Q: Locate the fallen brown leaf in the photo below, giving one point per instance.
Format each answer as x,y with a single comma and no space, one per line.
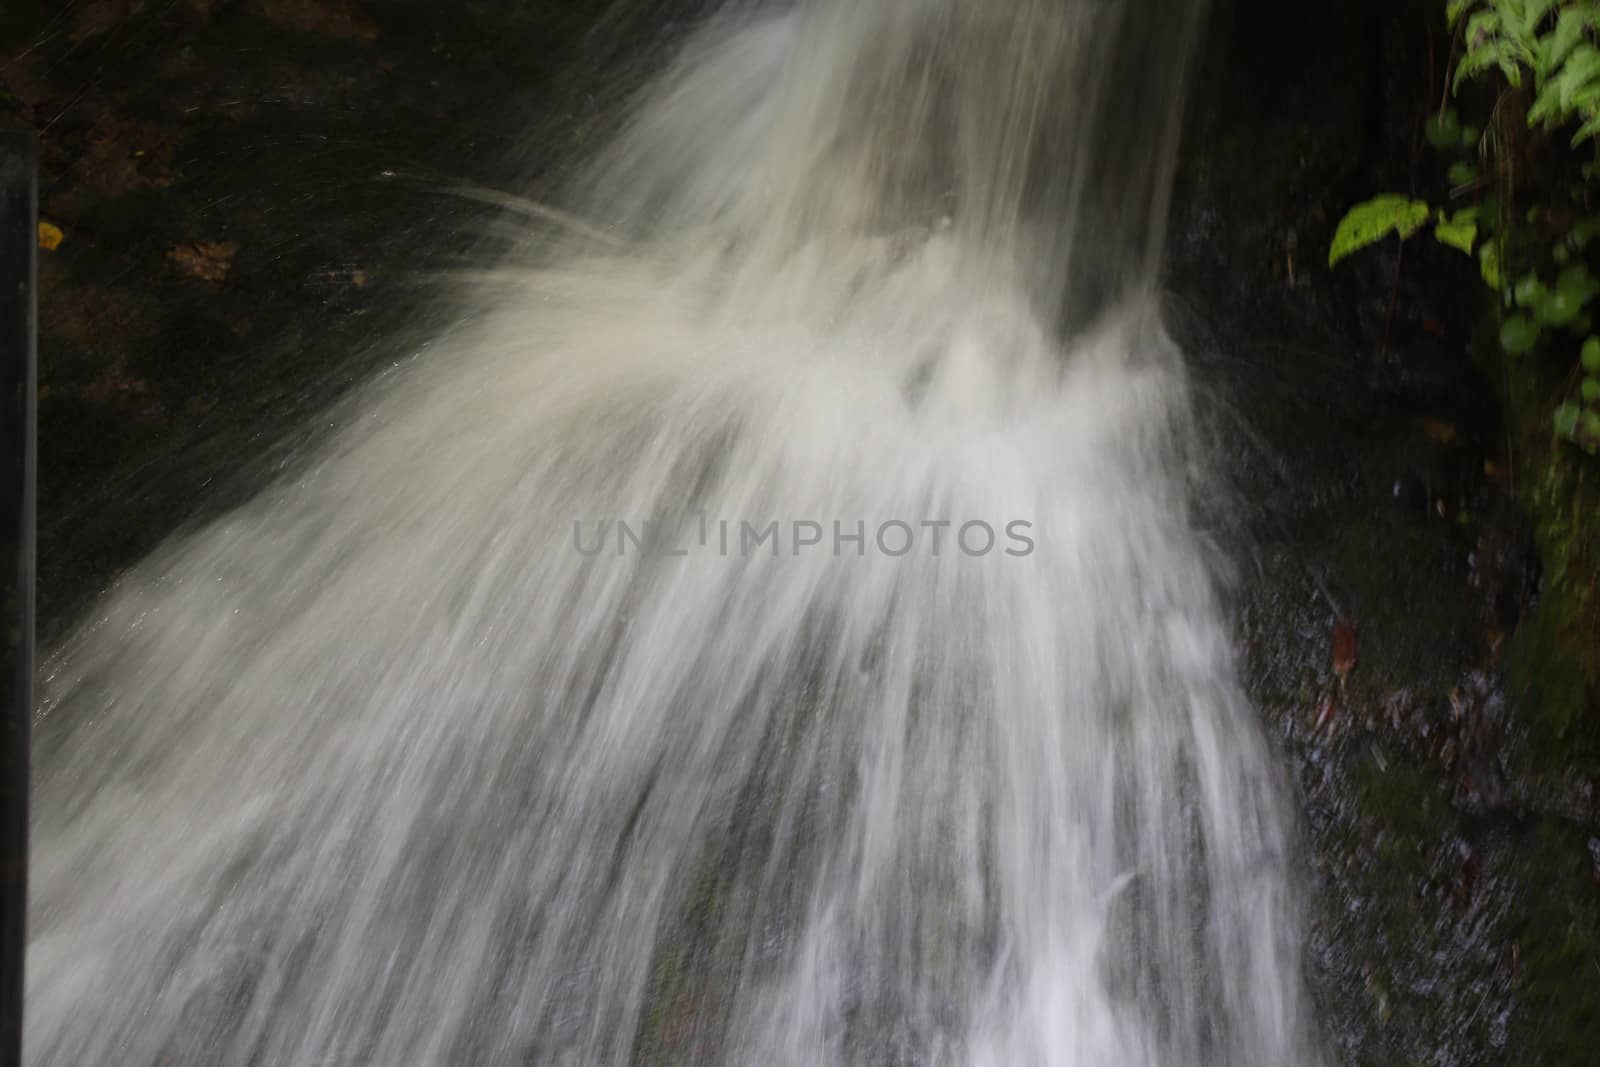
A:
1344,648
98,16
332,18
208,261
1439,431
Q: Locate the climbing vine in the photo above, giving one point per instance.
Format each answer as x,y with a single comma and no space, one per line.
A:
1521,185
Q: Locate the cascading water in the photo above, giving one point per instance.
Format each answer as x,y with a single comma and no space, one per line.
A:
513,731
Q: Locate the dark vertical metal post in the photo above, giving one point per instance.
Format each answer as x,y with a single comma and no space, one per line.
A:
19,244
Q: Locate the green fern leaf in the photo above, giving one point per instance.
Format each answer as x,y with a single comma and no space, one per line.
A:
1587,130
1547,105
1580,69
1490,54
1558,45
1481,27
1533,13
1511,70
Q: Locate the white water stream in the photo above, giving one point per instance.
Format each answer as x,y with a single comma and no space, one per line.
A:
393,766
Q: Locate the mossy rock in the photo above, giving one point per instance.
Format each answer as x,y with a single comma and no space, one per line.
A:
1554,662
1558,949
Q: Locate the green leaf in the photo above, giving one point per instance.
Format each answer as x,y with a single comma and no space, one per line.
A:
1578,281
1462,174
1489,264
1558,308
1583,231
1372,221
1457,232
1566,420
1575,288
1444,129
1528,291
1590,389
1591,355
1454,10
1518,334
1589,431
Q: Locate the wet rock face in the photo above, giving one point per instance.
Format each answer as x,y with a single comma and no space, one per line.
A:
245,199
1385,566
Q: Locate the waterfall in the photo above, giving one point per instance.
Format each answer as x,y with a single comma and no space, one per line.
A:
768,629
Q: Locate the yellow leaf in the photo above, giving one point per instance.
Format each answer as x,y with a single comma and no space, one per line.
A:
50,236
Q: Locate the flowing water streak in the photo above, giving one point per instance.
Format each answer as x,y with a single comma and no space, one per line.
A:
383,769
